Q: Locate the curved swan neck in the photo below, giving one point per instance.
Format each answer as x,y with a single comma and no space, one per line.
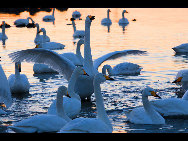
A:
53,12
108,68
59,106
71,85
78,53
30,19
101,113
74,26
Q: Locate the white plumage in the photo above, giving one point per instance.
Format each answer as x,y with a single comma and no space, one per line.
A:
77,33
76,14
107,21
3,36
183,48
123,20
49,17
23,22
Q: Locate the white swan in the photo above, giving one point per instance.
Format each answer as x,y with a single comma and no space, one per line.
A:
76,14
123,20
45,122
77,33
39,38
172,106
182,79
101,124
183,48
3,36
84,84
107,21
49,45
18,82
49,17
72,106
125,68
5,94
77,58
23,22
146,114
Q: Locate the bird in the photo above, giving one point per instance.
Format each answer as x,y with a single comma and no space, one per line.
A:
48,18
76,14
100,124
72,104
23,22
176,107
183,48
18,82
6,25
125,68
77,58
48,45
44,122
182,79
77,33
84,84
39,38
146,114
3,36
5,93
107,21
123,20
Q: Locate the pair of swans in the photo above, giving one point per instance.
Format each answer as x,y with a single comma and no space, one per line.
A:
18,82
84,84
24,22
3,36
61,123
48,18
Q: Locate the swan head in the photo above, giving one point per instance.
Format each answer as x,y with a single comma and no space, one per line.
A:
80,71
181,78
89,19
62,90
148,91
37,25
100,78
108,10
125,11
2,106
42,30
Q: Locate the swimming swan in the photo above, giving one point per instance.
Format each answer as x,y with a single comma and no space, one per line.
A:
122,69
84,84
76,14
5,94
101,124
45,122
72,105
18,82
172,106
3,36
146,114
107,21
49,17
23,22
77,33
49,45
123,20
39,38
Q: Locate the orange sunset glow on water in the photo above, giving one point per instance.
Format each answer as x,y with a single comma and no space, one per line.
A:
156,31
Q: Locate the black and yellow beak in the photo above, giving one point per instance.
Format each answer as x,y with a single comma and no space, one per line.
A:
19,67
68,95
37,46
91,17
72,19
2,105
177,80
39,30
108,78
154,94
126,11
85,72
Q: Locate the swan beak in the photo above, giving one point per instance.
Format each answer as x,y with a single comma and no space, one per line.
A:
109,10
40,31
85,73
126,12
108,78
91,17
177,80
68,95
72,19
2,105
154,94
37,46
19,67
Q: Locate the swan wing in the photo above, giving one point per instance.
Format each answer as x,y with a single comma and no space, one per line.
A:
5,94
114,55
44,56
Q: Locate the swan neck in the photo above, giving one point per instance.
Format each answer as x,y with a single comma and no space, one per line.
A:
17,73
59,106
101,113
123,14
3,29
108,69
74,26
53,12
37,30
108,14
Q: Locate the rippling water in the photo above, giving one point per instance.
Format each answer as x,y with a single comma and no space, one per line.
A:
155,31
